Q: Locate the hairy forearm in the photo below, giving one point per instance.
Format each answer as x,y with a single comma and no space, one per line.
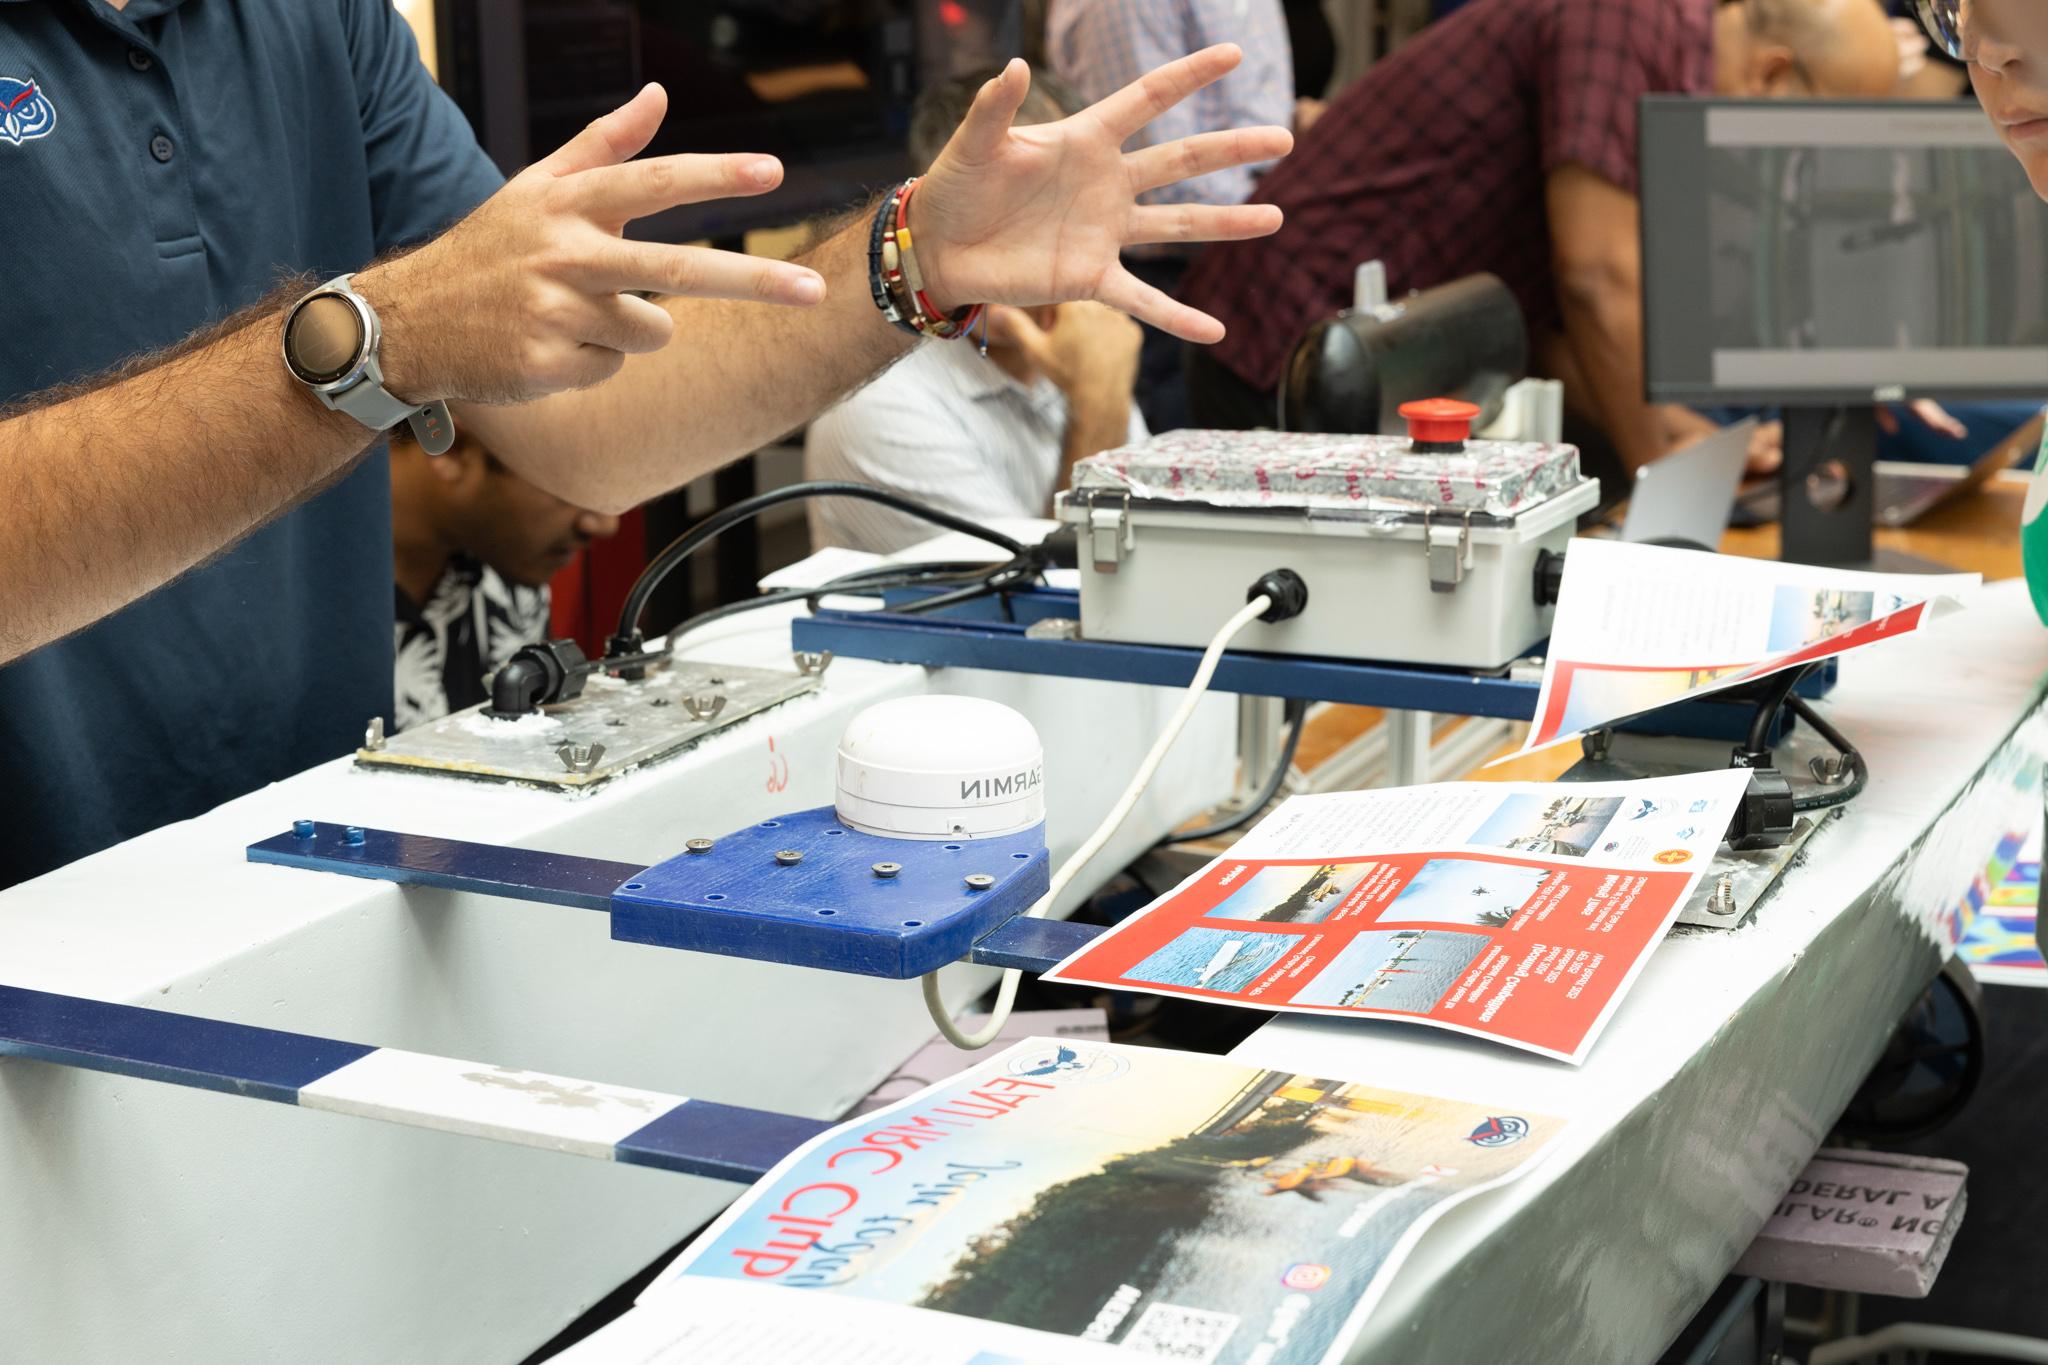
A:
735,377
116,488
1604,325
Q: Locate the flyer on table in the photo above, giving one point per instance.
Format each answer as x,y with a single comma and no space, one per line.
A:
1641,626
1515,911
1073,1201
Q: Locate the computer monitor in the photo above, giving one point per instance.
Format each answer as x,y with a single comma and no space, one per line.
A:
1818,253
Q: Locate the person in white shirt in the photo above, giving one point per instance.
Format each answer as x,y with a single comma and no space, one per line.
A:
989,437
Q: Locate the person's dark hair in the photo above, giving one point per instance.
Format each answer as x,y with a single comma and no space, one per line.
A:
941,108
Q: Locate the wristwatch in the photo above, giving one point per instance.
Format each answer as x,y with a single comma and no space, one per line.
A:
330,345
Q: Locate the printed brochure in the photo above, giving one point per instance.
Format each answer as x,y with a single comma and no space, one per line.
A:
1513,911
1076,1201
1639,627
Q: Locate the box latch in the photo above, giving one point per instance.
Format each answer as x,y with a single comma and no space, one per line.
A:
1109,529
1450,552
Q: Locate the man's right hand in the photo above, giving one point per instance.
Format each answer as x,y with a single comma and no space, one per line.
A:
1085,346
535,292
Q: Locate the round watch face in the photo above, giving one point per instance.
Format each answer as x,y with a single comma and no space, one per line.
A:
323,339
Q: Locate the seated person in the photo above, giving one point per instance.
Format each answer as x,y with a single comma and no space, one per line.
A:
1503,139
474,546
981,437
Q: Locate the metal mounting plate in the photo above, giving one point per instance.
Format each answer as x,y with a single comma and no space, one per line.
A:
1750,878
633,722
831,909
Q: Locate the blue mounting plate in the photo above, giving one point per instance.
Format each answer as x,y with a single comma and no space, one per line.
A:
832,910
994,634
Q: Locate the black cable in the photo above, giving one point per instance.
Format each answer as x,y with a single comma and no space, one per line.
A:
880,578
1297,721
687,544
1859,772
1773,701
998,581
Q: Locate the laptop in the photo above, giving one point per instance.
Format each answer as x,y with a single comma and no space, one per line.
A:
1908,492
1689,494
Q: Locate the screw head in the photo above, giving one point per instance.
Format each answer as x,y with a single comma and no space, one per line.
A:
887,869
696,846
353,836
302,829
788,857
980,881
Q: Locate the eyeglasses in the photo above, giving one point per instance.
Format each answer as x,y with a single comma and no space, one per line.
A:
1944,22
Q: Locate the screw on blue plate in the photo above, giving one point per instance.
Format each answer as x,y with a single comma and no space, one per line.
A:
302,829
353,836
833,909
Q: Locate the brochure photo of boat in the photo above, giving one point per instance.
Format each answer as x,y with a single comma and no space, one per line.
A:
1559,827
1214,959
1404,970
1295,895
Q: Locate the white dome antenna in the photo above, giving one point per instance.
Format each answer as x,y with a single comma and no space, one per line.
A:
939,767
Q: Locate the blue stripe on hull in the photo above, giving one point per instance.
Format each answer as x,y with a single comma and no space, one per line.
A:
717,1140
237,1059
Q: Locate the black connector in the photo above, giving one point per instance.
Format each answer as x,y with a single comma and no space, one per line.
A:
538,675
1549,577
1288,592
626,646
1767,815
1062,549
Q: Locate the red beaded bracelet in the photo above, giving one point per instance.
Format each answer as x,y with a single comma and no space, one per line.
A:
899,261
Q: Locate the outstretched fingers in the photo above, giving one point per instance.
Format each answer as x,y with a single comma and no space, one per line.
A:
625,267
1201,223
1122,290
1157,91
615,195
995,107
611,138
1186,158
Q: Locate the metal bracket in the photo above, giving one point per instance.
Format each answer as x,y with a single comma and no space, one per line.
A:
1109,529
743,895
1449,550
1738,881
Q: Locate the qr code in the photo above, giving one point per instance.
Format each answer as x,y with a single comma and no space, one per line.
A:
1194,1335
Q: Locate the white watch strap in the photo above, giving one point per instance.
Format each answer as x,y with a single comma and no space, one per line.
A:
370,403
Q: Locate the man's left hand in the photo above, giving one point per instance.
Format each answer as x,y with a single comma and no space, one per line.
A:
1041,214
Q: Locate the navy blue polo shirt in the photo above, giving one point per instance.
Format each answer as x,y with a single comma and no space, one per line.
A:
161,167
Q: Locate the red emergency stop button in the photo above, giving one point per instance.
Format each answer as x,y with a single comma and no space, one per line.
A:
1440,424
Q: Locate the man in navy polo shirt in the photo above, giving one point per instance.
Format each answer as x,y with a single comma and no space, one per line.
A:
195,551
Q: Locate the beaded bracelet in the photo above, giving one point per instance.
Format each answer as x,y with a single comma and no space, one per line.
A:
881,244
895,280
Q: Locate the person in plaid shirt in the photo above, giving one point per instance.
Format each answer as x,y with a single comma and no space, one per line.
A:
1099,46
1503,139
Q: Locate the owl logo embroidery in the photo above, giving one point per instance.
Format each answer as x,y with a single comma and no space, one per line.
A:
25,111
